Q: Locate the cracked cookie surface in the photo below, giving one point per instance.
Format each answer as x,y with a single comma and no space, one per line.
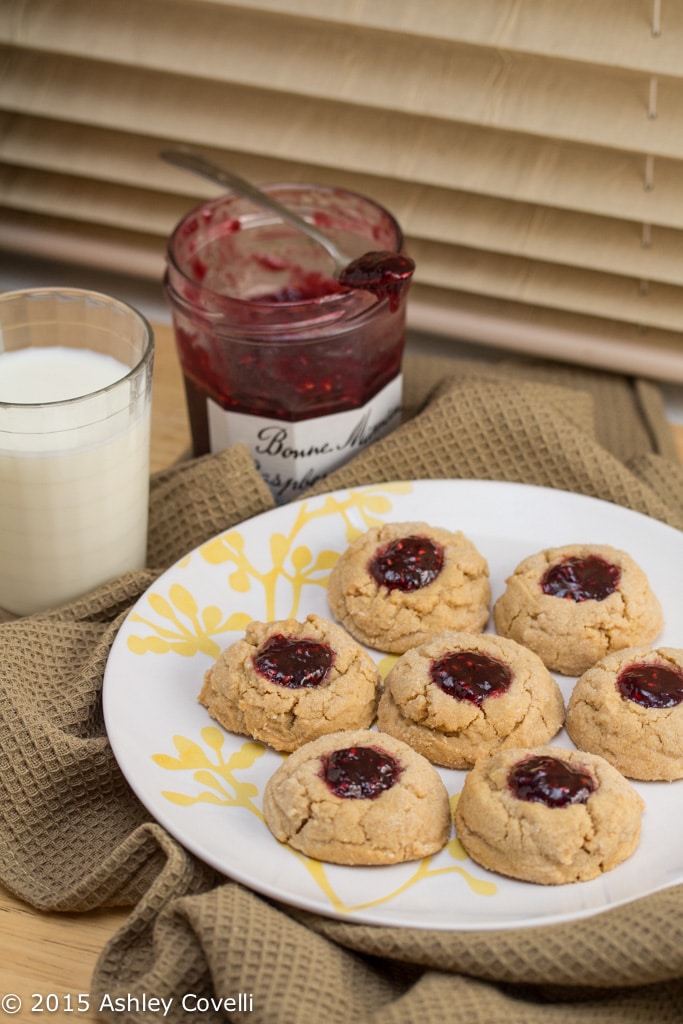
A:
406,818
288,682
531,841
462,696
629,709
400,583
571,631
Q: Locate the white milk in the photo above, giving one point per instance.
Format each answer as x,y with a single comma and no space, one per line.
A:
73,493
32,375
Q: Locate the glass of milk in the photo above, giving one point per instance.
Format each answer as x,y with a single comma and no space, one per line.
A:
75,399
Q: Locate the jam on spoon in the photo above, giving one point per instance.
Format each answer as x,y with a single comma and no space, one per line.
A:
382,273
293,662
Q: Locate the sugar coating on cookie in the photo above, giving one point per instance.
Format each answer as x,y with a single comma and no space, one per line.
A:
358,797
461,696
549,815
288,682
576,603
628,708
400,583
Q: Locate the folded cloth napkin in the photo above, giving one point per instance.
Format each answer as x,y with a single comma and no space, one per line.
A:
73,836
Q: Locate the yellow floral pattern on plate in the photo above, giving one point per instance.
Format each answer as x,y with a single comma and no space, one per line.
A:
180,626
215,774
189,629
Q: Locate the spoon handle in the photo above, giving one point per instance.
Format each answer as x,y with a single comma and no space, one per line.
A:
191,160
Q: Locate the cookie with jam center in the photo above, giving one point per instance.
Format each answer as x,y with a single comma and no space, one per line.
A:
574,604
548,815
288,682
400,583
628,708
358,797
462,696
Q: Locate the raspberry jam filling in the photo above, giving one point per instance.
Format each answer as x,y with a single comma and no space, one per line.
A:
581,579
360,772
293,663
550,781
407,564
652,685
467,675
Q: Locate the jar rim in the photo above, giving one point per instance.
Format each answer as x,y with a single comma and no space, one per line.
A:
216,303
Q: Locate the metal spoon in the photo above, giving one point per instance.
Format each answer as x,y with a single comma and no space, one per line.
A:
380,272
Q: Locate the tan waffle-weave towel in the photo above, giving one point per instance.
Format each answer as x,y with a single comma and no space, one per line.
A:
73,837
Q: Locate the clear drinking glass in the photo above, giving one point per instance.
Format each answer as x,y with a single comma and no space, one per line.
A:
275,352
74,471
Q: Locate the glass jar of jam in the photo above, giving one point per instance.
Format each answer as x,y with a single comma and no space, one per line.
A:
275,352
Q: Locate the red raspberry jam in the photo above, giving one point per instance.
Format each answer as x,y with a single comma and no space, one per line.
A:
382,273
467,675
293,663
291,383
407,564
550,781
581,579
652,685
360,772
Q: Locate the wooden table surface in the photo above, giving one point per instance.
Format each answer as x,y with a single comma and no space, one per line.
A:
44,954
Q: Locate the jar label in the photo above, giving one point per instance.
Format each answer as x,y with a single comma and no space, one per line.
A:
293,456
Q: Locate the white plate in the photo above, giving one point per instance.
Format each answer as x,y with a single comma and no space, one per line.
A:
204,785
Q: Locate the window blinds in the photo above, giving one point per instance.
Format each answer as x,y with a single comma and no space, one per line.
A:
532,150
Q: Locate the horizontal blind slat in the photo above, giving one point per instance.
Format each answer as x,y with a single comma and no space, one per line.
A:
534,97
549,334
573,179
609,296
97,246
433,220
581,31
